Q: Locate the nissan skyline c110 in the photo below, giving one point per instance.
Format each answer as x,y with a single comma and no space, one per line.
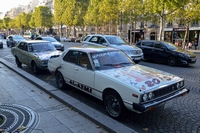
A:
109,75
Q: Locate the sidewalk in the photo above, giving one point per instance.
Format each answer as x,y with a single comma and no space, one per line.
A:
31,105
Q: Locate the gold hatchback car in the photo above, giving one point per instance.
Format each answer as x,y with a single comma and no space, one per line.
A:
35,54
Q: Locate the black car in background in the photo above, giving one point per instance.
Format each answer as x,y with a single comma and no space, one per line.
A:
165,52
13,40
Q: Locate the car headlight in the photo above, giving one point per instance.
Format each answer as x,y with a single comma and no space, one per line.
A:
178,85
181,55
182,83
44,62
145,97
150,95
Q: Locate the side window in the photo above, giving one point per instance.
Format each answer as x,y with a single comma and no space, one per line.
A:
94,39
21,45
84,61
71,56
25,47
101,40
147,44
158,45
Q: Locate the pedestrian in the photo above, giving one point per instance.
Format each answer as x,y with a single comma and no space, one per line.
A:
195,44
189,45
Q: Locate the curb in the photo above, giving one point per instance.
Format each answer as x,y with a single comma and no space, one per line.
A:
97,117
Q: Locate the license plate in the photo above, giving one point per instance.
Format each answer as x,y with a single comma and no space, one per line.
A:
193,59
137,58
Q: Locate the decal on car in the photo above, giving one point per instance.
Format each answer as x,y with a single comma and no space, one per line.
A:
81,86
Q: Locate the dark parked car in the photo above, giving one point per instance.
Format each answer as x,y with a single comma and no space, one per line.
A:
13,40
58,45
165,52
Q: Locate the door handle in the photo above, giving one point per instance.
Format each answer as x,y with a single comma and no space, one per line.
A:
76,69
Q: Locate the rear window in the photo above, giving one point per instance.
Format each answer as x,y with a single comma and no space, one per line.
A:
147,44
86,38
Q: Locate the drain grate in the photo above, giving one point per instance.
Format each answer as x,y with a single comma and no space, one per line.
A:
17,116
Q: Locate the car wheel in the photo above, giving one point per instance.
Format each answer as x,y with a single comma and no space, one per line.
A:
60,82
171,61
35,68
114,105
19,64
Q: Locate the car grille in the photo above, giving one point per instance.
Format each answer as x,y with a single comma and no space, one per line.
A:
165,90
163,93
136,52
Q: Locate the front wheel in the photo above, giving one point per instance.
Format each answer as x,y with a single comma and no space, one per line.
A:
60,82
171,61
35,68
114,105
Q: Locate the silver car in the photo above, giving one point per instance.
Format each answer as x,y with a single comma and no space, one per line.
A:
113,41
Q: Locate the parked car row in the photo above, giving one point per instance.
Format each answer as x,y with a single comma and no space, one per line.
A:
109,63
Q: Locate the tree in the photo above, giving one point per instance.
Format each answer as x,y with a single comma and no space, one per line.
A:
42,17
186,14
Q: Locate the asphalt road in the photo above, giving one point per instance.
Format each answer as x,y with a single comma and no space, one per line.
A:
180,115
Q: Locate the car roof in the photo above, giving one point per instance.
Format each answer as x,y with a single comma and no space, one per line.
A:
101,35
92,49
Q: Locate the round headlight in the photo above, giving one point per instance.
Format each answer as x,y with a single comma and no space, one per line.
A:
178,85
182,83
151,95
144,97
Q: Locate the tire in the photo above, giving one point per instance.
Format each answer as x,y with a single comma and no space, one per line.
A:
35,68
19,64
171,61
114,105
60,82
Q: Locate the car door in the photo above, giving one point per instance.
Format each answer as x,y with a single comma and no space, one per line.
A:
23,53
67,66
147,49
83,73
159,53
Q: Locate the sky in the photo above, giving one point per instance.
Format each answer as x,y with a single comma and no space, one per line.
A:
6,5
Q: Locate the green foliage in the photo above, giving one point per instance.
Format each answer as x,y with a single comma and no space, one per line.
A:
6,22
42,17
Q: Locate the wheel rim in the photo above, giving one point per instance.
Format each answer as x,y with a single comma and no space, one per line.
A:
59,80
171,61
113,105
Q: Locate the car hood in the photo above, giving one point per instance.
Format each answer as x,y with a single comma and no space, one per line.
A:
125,47
45,55
140,77
191,54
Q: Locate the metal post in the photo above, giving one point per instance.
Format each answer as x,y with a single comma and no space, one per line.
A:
120,28
131,29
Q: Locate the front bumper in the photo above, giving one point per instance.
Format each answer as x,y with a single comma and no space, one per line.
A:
149,106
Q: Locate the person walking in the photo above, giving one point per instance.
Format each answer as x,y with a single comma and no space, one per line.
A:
195,44
189,45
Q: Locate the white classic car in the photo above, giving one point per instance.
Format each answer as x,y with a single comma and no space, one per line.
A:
109,75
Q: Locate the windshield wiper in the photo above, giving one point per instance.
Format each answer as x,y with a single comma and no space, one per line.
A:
109,64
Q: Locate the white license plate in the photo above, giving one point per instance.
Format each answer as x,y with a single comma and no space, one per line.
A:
193,59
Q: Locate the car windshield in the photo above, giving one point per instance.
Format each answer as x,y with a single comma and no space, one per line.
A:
110,60
51,39
170,46
18,37
42,46
115,40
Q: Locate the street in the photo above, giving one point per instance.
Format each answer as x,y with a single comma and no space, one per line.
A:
178,115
